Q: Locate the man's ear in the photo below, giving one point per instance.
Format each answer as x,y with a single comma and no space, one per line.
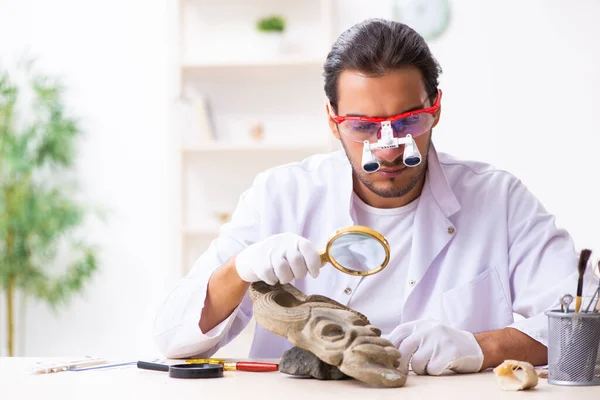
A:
437,116
332,124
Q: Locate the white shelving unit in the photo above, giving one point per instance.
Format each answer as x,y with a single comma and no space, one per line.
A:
257,147
218,54
227,79
281,62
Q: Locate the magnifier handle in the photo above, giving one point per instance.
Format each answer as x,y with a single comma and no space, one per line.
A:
152,366
324,258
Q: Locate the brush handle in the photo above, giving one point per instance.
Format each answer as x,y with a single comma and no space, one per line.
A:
580,286
577,304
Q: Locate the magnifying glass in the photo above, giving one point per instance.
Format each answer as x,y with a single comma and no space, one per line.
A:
357,250
185,371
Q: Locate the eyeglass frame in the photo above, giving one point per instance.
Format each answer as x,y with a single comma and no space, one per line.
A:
428,110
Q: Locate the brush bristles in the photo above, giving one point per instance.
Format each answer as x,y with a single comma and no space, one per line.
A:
583,260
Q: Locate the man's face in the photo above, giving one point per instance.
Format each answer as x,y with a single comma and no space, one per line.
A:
394,93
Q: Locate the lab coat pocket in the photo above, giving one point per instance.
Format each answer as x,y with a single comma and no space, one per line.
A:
478,305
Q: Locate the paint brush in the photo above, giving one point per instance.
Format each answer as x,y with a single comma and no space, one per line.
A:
583,260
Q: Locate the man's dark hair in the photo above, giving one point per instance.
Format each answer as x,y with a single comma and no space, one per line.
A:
375,46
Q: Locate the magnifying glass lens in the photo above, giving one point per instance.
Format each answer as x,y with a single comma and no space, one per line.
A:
358,252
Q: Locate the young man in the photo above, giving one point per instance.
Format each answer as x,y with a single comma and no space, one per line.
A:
470,245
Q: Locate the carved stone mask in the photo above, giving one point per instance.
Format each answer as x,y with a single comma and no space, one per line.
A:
334,333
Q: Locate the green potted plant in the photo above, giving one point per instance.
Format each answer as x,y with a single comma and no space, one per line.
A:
42,252
271,29
271,24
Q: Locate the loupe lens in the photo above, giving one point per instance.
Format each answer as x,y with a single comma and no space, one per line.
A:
371,167
412,161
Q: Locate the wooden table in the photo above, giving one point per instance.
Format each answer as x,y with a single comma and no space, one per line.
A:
130,382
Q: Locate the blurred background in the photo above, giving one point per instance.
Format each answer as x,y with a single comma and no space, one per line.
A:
171,107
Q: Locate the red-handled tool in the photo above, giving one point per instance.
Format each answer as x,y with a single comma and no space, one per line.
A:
250,366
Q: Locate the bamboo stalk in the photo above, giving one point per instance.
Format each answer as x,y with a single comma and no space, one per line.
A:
10,316
10,291
21,323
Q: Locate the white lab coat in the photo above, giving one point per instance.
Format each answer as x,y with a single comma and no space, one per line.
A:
483,248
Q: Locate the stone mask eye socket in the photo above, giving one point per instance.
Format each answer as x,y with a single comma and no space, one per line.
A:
331,331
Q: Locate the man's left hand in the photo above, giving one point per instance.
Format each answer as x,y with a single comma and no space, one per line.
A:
432,348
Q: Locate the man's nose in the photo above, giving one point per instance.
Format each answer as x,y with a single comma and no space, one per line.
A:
389,155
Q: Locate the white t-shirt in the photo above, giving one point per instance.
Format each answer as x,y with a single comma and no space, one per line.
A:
396,224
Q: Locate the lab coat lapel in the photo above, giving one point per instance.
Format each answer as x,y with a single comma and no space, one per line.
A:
433,230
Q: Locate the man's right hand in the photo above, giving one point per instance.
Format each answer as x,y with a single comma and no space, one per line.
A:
279,258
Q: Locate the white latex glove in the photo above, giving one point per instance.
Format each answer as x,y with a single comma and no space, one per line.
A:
279,258
432,348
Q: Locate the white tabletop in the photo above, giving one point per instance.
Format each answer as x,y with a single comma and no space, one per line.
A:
130,382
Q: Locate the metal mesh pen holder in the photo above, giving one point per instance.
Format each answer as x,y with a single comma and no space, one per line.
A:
573,348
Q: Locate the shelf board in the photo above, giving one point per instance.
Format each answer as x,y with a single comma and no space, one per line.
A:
211,147
274,62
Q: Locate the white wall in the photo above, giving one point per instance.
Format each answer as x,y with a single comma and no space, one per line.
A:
521,82
112,55
512,69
